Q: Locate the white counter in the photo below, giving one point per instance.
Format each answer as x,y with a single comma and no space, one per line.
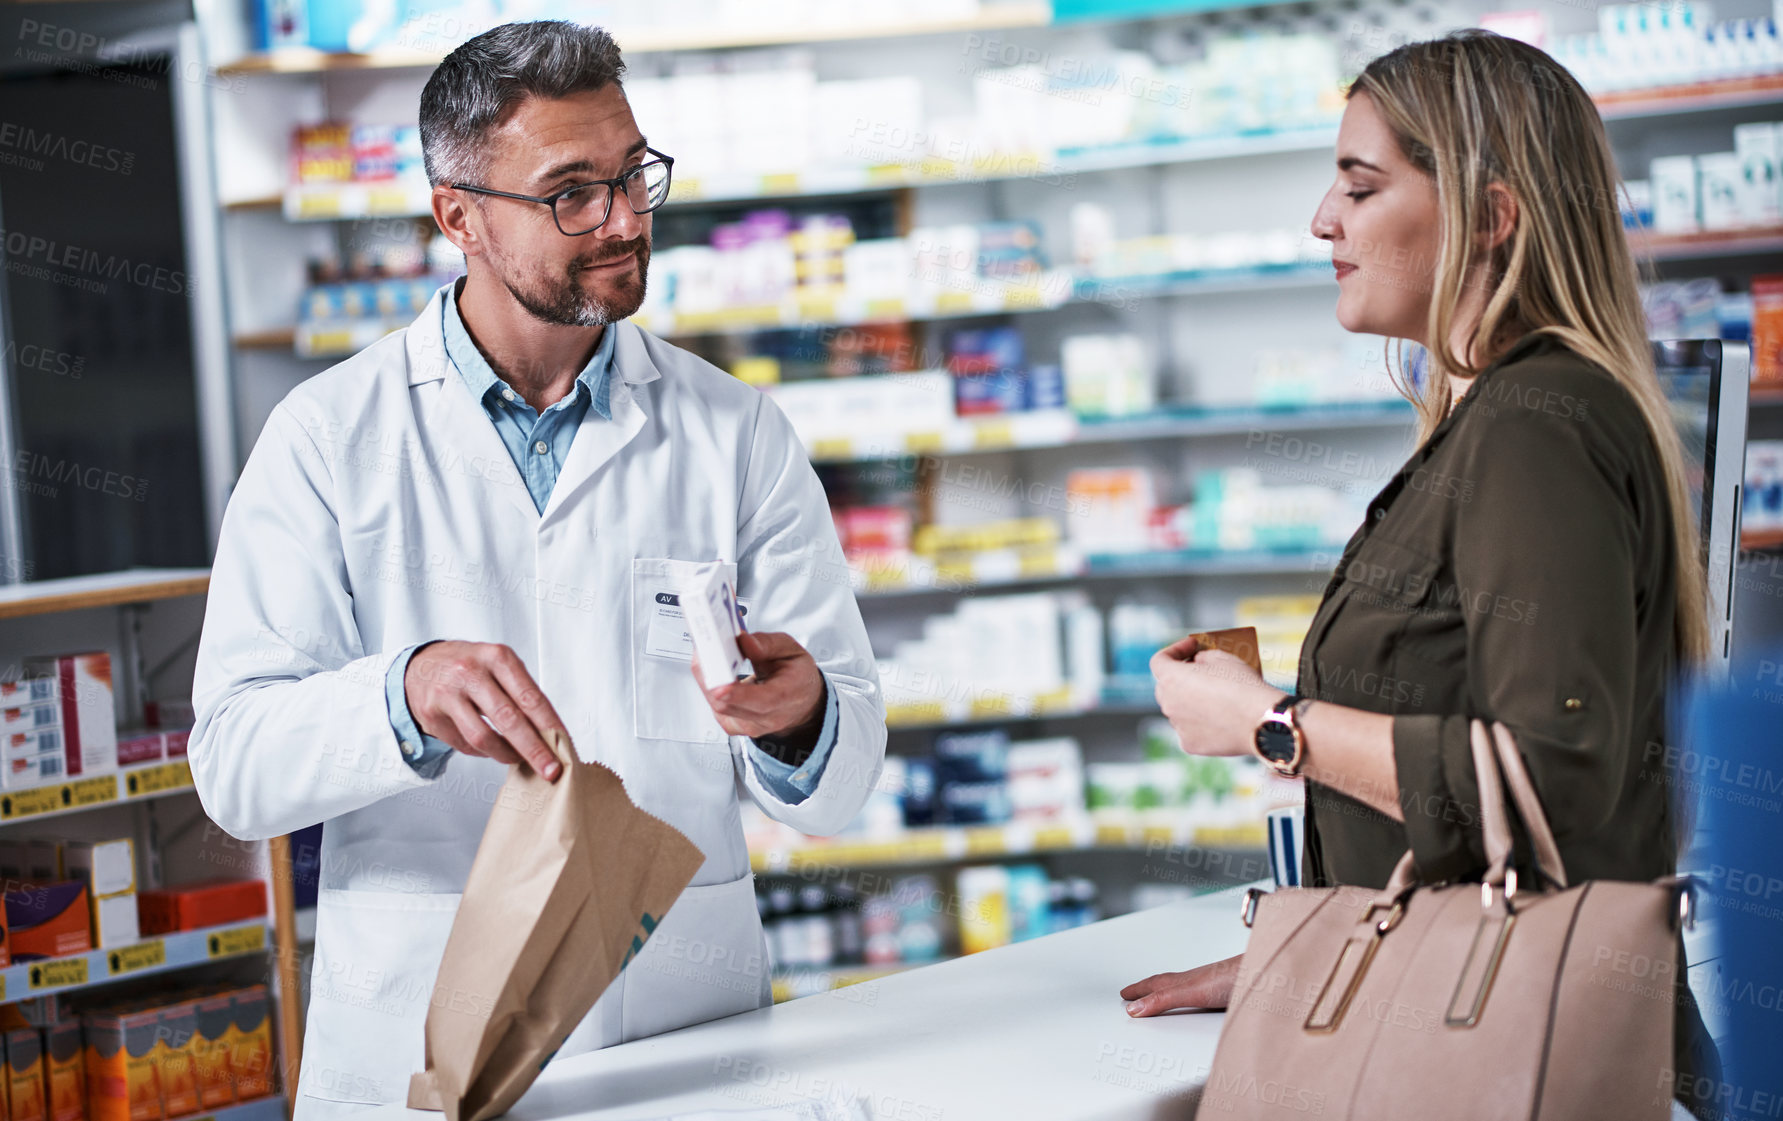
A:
1034,1031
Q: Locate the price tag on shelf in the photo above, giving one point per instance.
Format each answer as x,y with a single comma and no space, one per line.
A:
984,840
236,940
684,189
1059,700
61,796
1037,563
921,712
319,204
326,343
1053,837
387,202
780,183
143,955
1111,834
176,775
918,443
945,170
817,307
881,174
886,309
986,707
1158,835
993,434
57,973
953,303
833,447
1022,299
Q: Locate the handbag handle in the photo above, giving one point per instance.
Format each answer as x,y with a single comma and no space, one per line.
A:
1497,764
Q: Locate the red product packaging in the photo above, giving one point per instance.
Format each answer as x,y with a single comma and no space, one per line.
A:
1767,329
140,747
206,903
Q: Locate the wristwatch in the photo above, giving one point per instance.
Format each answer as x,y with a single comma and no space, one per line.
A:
1279,740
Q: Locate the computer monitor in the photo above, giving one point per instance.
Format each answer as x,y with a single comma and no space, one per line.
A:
1706,381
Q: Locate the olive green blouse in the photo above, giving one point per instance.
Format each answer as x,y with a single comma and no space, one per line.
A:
1517,568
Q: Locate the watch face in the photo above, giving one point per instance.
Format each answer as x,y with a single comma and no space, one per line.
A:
1275,740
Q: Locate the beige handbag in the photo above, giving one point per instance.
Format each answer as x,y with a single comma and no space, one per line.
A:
1458,1001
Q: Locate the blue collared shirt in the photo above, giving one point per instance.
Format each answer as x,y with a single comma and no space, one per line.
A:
539,443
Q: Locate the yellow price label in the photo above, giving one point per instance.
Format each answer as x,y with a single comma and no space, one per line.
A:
881,578
236,940
1111,834
1156,834
833,447
62,796
922,712
319,205
143,955
1039,563
330,342
780,183
1053,837
881,174
1059,700
985,840
955,574
920,442
685,189
817,307
153,780
57,973
1021,299
953,303
985,707
886,309
1249,835
387,202
993,434
935,167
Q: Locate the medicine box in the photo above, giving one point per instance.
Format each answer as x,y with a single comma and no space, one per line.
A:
89,715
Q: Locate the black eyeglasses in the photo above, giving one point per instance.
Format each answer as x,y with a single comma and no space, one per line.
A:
585,207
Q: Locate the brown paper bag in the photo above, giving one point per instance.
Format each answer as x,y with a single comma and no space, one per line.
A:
568,882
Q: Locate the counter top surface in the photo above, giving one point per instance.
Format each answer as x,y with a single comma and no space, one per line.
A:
1035,1031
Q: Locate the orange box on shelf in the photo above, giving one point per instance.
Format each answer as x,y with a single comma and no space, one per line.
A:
64,1071
210,1051
250,1043
1767,329
173,1058
206,903
49,921
24,1075
122,1082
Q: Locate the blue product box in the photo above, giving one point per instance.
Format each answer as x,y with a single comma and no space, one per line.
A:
975,803
980,756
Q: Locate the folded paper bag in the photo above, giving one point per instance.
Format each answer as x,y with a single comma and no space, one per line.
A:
568,882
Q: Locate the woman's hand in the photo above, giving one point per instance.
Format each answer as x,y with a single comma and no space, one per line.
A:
1205,986
1212,699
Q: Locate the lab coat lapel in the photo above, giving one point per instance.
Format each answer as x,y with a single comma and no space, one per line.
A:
459,434
599,440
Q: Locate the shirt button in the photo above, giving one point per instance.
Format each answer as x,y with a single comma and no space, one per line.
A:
541,447
1574,704
507,394
408,749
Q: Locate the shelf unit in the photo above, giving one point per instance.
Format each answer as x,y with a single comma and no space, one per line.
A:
161,954
986,572
945,844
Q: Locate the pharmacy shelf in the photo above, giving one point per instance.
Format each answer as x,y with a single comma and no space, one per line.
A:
140,959
1766,397
1698,97
648,40
1709,245
1015,568
136,783
944,844
1052,428
1052,290
104,589
934,715
269,1108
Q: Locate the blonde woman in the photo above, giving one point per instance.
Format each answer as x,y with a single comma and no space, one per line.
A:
1536,559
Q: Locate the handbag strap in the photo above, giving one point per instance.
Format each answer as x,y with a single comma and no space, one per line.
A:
1497,765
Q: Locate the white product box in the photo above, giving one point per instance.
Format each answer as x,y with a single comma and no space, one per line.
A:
1720,191
32,758
1760,148
30,716
114,920
709,611
27,690
89,715
106,867
1674,194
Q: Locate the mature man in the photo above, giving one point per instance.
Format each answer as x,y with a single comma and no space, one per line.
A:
472,533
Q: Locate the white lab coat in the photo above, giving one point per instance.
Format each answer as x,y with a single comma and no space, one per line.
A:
380,509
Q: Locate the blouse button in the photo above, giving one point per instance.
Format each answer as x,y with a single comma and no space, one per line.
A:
1574,704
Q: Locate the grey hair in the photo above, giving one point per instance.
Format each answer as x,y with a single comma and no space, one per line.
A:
478,85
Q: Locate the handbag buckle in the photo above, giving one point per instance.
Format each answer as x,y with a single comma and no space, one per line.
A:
1510,889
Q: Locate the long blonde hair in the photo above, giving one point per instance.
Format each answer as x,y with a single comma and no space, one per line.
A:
1474,109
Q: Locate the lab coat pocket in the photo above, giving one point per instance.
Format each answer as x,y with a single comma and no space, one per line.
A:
666,701
377,954
706,959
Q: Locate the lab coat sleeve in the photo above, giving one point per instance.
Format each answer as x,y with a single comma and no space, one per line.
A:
791,570
292,722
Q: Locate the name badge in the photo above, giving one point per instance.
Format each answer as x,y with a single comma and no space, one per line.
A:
666,636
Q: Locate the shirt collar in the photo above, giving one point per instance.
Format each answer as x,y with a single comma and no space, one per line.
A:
482,380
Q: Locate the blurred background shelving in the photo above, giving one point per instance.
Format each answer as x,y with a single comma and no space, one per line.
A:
1035,285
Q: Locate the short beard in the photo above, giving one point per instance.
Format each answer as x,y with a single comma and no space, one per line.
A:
561,302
